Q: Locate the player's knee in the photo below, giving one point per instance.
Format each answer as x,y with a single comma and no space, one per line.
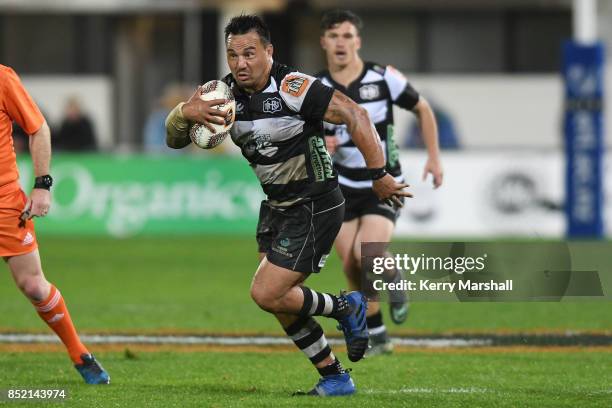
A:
263,299
34,288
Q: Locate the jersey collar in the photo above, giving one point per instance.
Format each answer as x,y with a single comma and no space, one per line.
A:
355,82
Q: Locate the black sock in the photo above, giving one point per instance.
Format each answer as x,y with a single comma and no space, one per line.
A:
377,329
376,320
323,304
308,336
396,297
334,368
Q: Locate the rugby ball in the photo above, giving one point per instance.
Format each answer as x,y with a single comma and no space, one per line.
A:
200,134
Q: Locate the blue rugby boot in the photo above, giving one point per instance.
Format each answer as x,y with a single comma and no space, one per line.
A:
335,385
354,325
91,371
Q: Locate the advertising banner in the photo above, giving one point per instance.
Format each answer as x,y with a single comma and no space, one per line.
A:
123,196
489,193
583,127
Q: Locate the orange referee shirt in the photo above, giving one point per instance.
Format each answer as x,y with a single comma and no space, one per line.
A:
16,237
15,105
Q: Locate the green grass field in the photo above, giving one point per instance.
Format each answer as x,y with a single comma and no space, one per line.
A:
200,285
212,379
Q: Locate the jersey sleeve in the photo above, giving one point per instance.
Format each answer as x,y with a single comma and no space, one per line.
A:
329,128
306,95
18,104
402,93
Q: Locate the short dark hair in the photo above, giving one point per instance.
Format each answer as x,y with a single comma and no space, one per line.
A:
331,18
245,23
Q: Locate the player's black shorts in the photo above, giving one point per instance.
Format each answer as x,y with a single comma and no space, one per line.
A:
363,201
300,237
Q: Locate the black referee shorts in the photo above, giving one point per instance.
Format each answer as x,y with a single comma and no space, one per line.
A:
300,237
363,201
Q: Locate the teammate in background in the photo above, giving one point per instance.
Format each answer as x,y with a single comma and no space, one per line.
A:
18,244
376,88
279,129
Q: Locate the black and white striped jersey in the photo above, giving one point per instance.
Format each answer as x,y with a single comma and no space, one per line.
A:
377,89
280,132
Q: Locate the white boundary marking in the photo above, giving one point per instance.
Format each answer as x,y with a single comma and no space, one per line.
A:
459,390
226,340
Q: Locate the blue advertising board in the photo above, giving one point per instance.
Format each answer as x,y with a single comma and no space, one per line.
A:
583,128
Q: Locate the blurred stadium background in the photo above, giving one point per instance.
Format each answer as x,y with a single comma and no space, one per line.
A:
491,69
142,239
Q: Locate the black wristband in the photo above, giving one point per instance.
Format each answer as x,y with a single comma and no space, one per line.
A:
376,174
45,182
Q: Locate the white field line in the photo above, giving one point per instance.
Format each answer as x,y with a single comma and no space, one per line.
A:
460,390
226,340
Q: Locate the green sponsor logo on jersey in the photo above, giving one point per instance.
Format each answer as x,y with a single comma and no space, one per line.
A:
319,158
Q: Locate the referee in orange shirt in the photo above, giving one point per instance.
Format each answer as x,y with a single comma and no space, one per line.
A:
18,244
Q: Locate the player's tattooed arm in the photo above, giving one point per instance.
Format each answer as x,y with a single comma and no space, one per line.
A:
343,110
